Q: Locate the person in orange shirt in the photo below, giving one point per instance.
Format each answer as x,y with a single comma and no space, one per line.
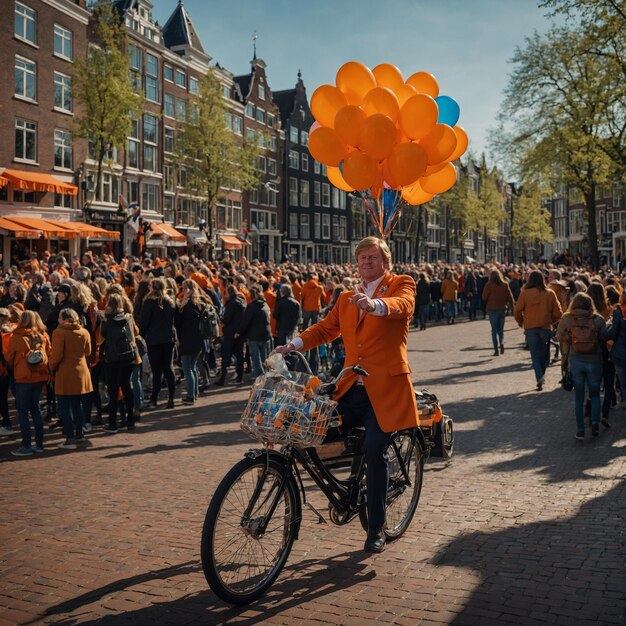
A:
373,321
270,298
296,287
312,300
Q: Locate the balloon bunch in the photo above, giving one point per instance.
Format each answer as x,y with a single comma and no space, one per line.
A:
390,140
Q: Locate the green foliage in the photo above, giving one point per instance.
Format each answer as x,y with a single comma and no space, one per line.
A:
102,89
209,151
530,222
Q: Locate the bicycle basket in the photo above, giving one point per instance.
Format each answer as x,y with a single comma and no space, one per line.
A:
283,411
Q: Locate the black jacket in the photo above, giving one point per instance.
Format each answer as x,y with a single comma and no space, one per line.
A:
435,289
156,325
287,314
233,315
187,322
256,322
422,293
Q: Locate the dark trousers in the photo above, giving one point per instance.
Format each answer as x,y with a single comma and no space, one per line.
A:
4,400
117,376
232,347
160,357
71,413
608,374
356,410
89,399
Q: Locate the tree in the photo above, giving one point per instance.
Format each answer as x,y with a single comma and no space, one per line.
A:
553,119
530,222
209,151
103,90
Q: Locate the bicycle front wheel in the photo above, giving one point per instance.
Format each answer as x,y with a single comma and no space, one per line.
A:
240,561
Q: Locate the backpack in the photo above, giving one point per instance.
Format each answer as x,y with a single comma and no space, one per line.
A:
119,346
584,334
209,323
35,355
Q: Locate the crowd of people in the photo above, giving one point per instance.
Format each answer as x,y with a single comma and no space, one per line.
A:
93,341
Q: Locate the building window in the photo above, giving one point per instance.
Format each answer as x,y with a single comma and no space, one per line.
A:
152,78
181,110
250,110
272,167
181,79
168,209
62,42
237,125
194,85
294,162
168,73
270,120
168,105
335,227
273,143
150,140
133,144
316,166
260,116
168,139
261,163
325,194
304,193
261,92
325,226
293,134
62,92
336,201
168,178
304,138
226,91
25,78
304,227
316,226
251,135
261,140
343,229
293,226
63,149
150,197
25,23
25,140
293,191
317,197
305,162
110,188
63,200
135,65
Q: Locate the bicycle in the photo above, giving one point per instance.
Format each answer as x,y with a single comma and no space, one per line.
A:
255,514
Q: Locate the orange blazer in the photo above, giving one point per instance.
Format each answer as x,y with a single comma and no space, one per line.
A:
378,344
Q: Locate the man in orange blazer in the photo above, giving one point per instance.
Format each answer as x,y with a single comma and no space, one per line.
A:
373,321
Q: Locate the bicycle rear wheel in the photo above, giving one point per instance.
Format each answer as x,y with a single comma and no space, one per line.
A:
240,563
402,498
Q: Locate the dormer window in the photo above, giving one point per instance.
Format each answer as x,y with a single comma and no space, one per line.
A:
261,92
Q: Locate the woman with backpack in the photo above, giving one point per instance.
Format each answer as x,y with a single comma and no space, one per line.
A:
120,355
190,339
71,346
156,326
27,355
580,334
537,309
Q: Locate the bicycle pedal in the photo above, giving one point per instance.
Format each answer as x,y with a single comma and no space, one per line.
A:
320,517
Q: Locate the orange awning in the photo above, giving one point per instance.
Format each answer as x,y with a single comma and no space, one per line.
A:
3,181
229,242
7,227
50,230
94,232
169,231
37,181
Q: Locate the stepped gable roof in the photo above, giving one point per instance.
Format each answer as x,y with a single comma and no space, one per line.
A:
285,101
179,30
122,6
244,81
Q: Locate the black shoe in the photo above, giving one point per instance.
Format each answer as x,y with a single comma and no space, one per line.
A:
605,422
187,400
580,435
170,404
595,430
110,429
501,349
375,541
496,353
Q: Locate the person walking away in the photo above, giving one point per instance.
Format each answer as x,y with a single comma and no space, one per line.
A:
312,303
615,334
287,313
120,354
580,334
422,299
536,311
187,321
255,328
374,323
27,355
449,290
232,344
471,293
156,326
435,298
71,346
496,296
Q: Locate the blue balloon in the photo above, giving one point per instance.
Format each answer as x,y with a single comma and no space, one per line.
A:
390,203
449,110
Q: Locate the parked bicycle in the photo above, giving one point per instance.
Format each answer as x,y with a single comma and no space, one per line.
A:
256,511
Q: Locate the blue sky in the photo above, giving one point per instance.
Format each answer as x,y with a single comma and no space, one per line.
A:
466,45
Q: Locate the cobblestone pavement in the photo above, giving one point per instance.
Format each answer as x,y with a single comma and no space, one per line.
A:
525,526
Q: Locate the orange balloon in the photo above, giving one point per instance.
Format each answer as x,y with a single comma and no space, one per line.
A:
377,186
326,147
461,143
424,82
418,116
404,92
381,100
348,124
360,171
431,169
439,182
415,195
355,79
388,75
407,163
401,137
387,177
378,136
325,102
439,144
336,179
